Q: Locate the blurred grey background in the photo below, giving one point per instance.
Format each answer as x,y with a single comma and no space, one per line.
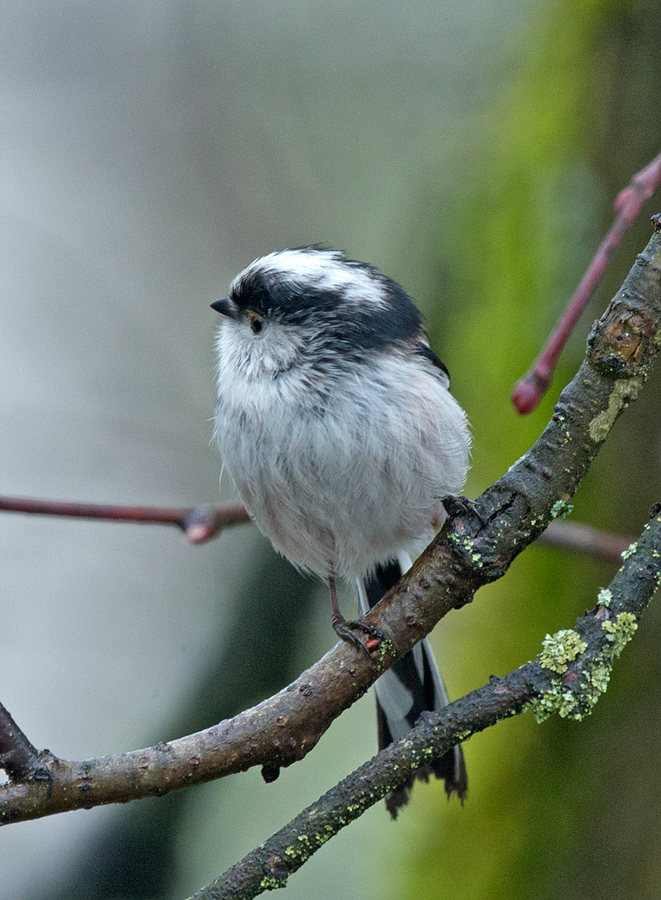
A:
149,151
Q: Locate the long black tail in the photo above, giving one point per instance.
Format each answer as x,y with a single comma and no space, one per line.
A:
408,688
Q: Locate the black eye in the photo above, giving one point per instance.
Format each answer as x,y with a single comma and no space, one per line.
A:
256,324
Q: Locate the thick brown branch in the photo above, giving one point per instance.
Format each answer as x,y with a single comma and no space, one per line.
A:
476,545
568,685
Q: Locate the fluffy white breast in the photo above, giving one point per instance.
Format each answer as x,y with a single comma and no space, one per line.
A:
344,469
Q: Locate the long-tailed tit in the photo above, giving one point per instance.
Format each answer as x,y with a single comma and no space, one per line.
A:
335,420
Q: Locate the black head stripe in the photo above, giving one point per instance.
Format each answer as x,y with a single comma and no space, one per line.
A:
361,312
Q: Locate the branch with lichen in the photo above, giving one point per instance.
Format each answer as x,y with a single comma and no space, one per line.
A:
476,545
567,677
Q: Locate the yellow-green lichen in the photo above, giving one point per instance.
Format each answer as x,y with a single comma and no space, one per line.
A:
595,681
597,675
385,648
301,850
557,699
561,508
578,702
620,632
631,549
270,883
605,597
624,390
560,649
467,548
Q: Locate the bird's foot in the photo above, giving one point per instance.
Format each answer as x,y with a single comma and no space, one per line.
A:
348,631
460,505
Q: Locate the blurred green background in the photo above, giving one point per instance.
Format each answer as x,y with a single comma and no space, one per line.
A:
470,150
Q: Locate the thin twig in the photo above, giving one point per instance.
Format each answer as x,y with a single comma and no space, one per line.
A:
531,388
579,538
199,523
202,523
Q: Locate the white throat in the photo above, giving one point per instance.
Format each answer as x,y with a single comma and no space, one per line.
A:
253,356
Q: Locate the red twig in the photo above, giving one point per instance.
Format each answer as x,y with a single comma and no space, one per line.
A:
199,524
531,388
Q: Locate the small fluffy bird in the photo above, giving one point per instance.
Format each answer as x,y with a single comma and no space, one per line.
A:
335,420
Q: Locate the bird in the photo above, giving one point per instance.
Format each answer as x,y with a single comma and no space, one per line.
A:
335,421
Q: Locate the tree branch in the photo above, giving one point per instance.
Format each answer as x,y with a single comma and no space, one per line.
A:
580,538
202,523
199,523
567,677
531,388
17,755
476,545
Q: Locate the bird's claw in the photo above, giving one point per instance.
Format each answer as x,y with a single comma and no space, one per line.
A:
346,630
459,505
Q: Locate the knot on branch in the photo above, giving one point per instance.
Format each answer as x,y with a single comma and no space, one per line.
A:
624,346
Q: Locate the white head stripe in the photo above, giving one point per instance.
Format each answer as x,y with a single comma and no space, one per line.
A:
323,269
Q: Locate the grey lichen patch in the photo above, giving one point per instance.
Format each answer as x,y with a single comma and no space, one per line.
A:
560,649
561,508
624,390
605,597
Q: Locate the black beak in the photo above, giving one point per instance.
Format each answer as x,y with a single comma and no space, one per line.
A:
225,307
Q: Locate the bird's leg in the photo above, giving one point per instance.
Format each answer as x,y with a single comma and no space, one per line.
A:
347,629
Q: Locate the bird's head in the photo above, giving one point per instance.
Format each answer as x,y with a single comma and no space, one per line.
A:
313,304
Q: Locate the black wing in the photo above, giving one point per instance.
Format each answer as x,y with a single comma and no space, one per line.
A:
425,350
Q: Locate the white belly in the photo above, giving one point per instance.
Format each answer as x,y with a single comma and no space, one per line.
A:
349,478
